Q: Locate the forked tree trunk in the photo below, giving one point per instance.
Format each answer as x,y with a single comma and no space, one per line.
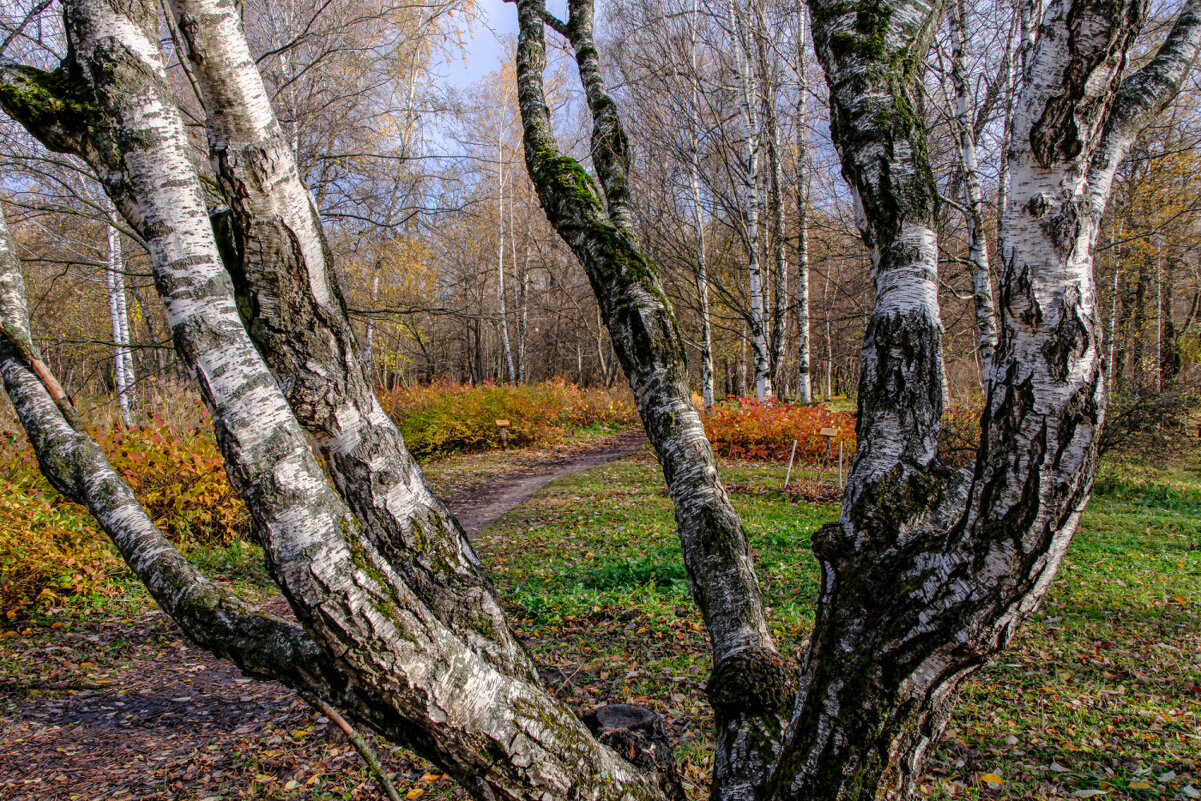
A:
928,572
492,727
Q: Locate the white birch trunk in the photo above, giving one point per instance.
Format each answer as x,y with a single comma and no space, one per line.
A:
500,253
119,313
748,82
694,185
986,326
804,355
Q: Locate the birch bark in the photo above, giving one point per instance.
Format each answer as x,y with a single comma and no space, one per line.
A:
114,274
288,293
965,122
698,219
804,355
929,572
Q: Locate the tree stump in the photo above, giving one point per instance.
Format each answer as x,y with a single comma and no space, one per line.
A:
638,735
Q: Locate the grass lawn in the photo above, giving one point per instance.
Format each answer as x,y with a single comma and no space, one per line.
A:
1100,695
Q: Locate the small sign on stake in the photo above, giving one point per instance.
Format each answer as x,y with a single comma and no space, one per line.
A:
503,425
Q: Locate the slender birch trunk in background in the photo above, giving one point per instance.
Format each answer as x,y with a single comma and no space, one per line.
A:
829,335
775,197
694,184
123,370
500,252
965,122
368,356
804,385
749,94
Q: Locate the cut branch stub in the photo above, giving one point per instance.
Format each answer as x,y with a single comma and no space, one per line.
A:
638,736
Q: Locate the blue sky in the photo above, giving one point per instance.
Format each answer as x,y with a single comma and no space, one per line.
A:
493,20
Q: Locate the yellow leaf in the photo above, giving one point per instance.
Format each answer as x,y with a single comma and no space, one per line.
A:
1139,784
416,792
993,779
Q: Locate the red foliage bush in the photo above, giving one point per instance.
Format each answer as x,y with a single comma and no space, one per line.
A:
744,428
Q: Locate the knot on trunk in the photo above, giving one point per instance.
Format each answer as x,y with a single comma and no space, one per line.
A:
752,681
638,735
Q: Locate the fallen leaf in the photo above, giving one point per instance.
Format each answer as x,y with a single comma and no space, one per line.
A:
1089,793
992,780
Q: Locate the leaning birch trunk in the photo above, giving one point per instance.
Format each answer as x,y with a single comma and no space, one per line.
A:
749,685
698,219
259,643
929,572
982,297
286,283
748,83
114,274
499,734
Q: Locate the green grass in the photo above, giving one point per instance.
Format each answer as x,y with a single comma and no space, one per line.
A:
1100,691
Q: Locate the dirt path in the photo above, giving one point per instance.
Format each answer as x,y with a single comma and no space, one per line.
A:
478,505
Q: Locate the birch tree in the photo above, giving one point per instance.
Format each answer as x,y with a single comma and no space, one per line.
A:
966,126
123,371
928,571
745,65
804,381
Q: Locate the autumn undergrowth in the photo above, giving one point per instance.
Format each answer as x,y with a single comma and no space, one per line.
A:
443,417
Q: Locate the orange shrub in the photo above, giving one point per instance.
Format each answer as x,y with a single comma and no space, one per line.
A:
445,417
179,477
744,428
50,549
